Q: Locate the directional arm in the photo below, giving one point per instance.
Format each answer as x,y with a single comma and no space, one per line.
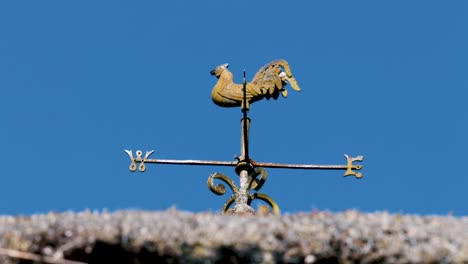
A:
146,159
138,159
350,167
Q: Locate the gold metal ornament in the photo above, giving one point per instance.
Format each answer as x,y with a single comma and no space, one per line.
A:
268,83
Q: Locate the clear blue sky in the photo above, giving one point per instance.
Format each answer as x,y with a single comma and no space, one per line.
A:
81,81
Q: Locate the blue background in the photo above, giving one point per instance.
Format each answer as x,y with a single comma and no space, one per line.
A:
81,81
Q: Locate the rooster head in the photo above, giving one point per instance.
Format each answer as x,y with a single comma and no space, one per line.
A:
217,72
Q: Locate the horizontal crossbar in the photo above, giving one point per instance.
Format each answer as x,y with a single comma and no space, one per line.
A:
254,163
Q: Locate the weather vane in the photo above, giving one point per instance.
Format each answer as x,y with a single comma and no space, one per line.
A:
268,82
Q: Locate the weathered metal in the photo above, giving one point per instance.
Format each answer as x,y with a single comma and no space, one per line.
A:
268,82
252,174
350,167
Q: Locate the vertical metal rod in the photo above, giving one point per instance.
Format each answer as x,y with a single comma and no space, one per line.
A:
242,195
245,124
244,164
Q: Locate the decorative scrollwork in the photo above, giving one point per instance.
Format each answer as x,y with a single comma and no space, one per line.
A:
260,196
228,204
256,183
220,189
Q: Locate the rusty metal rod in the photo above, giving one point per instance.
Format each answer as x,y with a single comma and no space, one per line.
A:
256,164
299,166
193,162
245,123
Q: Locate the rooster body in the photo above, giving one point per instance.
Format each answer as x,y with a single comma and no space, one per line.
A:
267,83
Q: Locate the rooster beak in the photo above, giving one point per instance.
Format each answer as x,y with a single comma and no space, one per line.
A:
217,71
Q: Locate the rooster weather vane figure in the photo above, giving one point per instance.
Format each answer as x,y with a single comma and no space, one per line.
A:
269,82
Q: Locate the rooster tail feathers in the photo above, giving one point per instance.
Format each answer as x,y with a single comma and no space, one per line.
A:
269,82
287,76
291,80
275,68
